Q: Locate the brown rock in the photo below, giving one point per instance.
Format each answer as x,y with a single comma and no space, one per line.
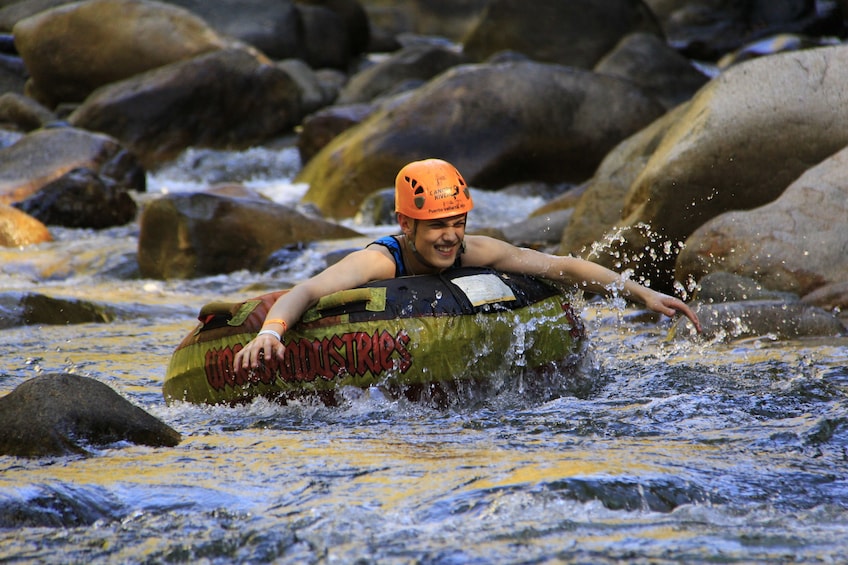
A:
538,123
739,143
228,99
18,229
796,243
576,33
190,235
81,199
45,155
73,49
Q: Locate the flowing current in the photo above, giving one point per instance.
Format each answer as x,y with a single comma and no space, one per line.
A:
722,452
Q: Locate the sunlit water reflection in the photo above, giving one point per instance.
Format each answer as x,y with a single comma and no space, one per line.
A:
694,452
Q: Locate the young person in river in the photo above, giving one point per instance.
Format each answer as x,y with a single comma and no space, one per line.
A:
432,202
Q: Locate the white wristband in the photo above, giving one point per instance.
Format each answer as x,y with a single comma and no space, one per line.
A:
270,332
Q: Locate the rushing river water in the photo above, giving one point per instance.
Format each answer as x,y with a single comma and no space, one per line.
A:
688,452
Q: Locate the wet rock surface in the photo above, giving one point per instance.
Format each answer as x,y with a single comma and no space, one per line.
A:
64,414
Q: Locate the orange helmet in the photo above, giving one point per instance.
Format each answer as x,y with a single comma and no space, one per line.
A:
431,189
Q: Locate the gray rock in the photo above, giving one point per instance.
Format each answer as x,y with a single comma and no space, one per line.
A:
797,243
24,112
64,414
647,60
830,297
741,141
773,319
418,62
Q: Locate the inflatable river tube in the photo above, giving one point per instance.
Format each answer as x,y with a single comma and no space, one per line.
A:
413,335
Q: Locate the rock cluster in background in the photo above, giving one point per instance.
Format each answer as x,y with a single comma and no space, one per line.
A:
699,136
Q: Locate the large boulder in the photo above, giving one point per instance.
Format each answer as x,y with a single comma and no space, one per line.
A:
707,29
65,414
45,155
575,33
75,48
323,33
498,123
417,63
354,16
13,11
335,32
798,243
648,61
392,20
740,142
228,99
191,235
600,206
272,27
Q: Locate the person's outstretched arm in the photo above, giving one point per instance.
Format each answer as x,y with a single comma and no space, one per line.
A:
586,275
354,270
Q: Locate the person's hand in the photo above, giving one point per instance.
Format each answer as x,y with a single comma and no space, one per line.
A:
261,347
669,305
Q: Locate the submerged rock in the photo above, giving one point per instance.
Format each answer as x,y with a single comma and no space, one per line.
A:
62,414
775,319
29,308
721,286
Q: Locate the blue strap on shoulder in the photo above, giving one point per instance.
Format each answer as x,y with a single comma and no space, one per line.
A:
391,243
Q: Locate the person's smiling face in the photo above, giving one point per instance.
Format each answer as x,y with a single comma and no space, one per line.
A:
438,242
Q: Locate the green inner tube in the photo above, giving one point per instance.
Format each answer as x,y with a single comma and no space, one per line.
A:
409,334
